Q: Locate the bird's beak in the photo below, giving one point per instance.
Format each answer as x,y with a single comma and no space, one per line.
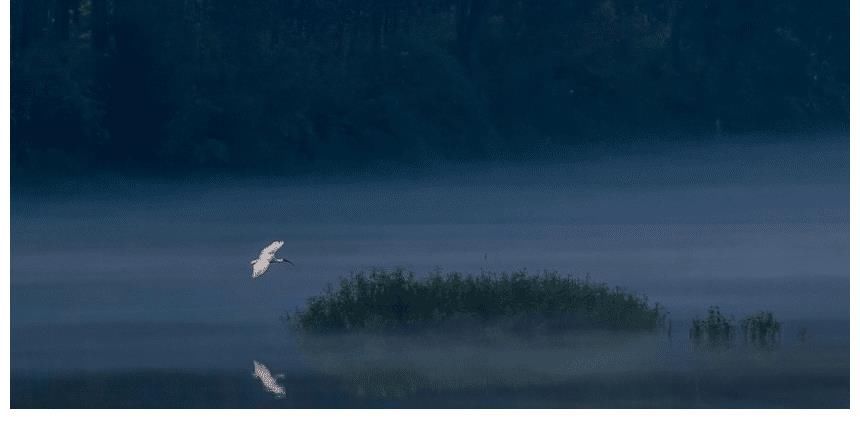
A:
290,262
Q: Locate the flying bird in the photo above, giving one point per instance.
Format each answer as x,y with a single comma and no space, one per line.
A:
270,382
267,256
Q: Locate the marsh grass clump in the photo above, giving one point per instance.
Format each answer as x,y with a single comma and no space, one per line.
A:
761,330
715,331
397,300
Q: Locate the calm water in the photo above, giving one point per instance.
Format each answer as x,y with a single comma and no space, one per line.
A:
118,277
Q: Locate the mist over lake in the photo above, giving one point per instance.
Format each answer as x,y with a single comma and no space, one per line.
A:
128,275
429,204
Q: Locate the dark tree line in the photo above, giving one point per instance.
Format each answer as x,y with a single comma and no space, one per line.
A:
266,84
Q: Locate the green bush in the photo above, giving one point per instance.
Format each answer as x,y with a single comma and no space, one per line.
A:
397,301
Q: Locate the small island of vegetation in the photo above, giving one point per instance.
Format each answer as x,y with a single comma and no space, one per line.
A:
398,300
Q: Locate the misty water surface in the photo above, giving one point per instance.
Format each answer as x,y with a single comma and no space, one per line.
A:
110,274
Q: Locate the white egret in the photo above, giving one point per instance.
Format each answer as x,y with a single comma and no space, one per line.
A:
267,256
270,382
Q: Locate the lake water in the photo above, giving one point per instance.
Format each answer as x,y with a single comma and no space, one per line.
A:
117,277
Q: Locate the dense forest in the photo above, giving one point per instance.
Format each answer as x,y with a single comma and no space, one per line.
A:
290,85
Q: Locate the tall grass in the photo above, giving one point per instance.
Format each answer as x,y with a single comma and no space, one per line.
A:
397,300
760,330
714,331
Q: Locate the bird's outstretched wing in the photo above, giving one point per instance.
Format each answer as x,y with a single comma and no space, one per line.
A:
261,264
259,268
260,370
269,251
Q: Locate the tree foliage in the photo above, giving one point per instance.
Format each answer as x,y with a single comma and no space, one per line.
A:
285,85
